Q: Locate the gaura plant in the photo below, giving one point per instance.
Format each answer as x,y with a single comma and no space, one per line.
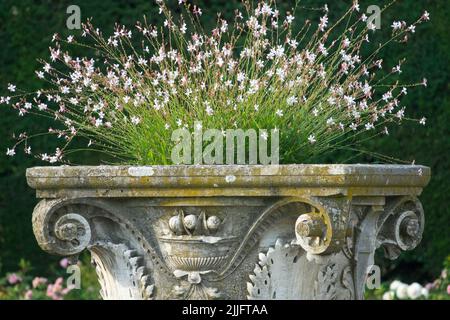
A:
321,84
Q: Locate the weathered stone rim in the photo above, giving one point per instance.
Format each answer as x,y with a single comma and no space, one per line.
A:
223,170
227,180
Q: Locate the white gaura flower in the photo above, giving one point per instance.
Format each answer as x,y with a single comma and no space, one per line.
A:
292,100
183,28
346,43
323,23
40,74
135,120
209,111
390,295
277,52
367,90
400,114
312,139
54,54
423,121
322,49
241,77
371,26
425,16
424,82
387,96
65,90
279,112
98,122
315,112
10,152
369,126
47,67
396,25
402,291
397,69
404,91
289,19
42,106
414,291
11,87
349,100
260,63
224,26
293,43
311,57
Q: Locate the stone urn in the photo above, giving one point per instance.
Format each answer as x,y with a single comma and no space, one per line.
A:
232,231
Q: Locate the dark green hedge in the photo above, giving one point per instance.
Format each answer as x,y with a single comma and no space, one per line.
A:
26,28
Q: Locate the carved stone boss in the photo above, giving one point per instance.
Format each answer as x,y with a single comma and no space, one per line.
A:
230,232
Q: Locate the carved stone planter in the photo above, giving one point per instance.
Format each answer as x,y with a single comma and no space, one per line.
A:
230,232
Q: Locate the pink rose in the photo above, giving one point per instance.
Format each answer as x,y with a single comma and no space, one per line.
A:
50,290
14,278
59,283
38,281
56,290
29,295
64,263
52,293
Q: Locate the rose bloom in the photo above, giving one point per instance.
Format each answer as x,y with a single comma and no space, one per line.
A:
389,295
394,285
402,291
29,295
14,278
64,263
56,290
38,281
414,291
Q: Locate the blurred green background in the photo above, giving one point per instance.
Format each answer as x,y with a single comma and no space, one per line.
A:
26,28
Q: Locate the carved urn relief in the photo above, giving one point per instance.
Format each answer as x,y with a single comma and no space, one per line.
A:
230,232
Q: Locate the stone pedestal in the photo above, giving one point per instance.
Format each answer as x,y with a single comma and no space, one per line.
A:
230,232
